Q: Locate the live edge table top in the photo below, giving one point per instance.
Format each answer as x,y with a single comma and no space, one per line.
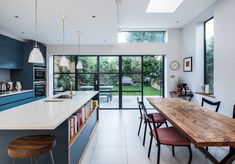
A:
202,126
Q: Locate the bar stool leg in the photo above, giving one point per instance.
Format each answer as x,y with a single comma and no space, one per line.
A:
52,158
31,159
36,160
14,160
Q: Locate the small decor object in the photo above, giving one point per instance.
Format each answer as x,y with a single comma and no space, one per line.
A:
18,86
179,85
188,66
207,89
174,65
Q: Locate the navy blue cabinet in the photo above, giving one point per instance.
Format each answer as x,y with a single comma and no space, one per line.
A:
15,100
10,53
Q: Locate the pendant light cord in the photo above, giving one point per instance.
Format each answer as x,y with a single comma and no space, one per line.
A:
36,22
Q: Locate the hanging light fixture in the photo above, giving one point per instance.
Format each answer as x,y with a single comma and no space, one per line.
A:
36,55
79,65
64,62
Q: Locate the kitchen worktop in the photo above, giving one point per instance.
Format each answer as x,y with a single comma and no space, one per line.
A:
44,114
9,93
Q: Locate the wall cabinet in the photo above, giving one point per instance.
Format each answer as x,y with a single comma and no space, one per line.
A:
10,53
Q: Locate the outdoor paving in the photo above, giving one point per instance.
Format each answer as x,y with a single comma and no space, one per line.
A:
128,102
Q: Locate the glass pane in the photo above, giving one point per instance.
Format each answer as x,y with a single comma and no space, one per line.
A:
209,56
131,82
85,82
142,37
62,82
109,82
109,64
129,99
89,64
70,69
109,100
131,64
153,75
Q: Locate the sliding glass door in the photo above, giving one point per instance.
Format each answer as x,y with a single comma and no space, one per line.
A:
119,79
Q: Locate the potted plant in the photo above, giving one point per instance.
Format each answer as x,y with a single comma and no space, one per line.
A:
179,85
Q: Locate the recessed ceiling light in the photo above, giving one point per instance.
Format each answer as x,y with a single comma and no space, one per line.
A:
16,16
177,21
104,41
163,6
58,40
22,32
93,16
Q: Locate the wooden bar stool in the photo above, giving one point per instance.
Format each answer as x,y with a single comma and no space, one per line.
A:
31,147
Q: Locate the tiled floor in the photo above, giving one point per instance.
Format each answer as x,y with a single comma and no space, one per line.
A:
115,141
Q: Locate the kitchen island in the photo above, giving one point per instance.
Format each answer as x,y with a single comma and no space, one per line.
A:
52,116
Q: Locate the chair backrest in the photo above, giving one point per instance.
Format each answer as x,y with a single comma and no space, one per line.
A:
150,120
140,105
216,104
234,111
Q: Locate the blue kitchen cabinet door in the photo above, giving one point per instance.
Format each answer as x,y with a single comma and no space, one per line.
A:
11,58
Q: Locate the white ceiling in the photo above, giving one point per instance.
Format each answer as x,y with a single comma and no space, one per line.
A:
102,29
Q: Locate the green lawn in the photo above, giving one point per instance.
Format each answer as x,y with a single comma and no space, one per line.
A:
148,91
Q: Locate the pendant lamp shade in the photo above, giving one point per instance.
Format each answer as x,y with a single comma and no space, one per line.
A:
64,62
79,65
36,55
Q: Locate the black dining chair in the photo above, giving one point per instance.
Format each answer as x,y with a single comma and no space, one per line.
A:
216,104
231,148
159,119
166,136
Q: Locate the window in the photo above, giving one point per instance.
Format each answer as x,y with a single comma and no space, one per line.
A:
209,54
142,37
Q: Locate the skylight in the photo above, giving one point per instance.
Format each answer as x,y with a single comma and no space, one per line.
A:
163,6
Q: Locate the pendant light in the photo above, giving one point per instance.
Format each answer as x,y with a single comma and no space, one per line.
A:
36,55
64,62
79,65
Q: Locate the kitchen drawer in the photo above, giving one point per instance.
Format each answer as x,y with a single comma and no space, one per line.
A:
15,104
16,97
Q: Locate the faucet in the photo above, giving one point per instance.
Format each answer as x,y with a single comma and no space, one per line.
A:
71,90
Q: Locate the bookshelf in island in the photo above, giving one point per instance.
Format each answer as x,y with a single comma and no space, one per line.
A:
71,121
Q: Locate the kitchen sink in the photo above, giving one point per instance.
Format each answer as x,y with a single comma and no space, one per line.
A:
63,97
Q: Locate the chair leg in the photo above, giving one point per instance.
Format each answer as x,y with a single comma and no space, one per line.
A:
150,145
166,124
158,154
140,126
173,151
145,129
52,158
14,160
190,154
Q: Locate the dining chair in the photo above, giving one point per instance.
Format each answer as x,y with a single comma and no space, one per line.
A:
216,104
159,119
166,136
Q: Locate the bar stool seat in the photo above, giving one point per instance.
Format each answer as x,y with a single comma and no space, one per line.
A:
31,146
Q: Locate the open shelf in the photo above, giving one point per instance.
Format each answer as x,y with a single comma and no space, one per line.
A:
71,141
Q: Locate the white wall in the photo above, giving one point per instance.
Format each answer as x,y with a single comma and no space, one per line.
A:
4,75
224,49
172,50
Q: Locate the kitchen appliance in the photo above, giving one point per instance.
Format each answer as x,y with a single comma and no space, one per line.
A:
3,87
39,74
39,89
10,86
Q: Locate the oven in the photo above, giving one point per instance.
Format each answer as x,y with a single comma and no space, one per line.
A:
39,74
39,89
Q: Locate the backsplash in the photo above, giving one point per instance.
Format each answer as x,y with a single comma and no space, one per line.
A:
4,75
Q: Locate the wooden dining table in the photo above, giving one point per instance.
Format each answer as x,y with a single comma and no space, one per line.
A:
201,126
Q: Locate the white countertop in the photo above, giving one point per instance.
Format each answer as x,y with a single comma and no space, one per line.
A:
41,115
9,93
